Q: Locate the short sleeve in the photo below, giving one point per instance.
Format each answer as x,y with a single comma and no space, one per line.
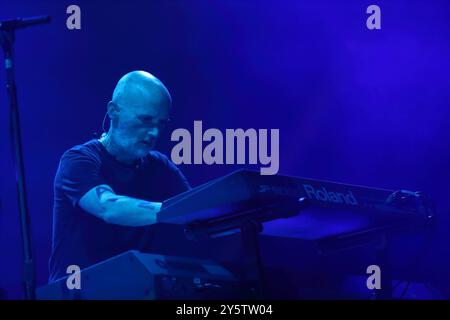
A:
78,172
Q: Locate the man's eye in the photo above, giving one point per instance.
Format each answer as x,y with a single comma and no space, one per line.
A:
147,120
152,122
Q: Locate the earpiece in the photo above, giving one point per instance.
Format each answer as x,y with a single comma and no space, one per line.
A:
103,123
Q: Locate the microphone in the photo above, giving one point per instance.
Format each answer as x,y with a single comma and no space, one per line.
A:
23,22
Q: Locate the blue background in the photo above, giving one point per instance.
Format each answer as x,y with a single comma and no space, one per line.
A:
352,105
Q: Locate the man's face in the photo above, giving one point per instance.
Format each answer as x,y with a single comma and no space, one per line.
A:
138,127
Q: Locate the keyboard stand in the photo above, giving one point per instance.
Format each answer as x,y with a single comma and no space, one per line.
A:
249,223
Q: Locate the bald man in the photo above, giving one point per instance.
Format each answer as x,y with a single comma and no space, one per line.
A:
107,192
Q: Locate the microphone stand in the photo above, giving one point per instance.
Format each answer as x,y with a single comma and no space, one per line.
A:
7,35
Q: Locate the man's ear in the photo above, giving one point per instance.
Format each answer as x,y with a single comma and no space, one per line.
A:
113,111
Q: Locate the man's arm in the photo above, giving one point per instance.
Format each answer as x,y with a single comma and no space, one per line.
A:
102,202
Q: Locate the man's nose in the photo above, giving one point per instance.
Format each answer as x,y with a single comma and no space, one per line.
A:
154,131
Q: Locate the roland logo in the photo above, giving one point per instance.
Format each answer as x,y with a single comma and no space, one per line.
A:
324,195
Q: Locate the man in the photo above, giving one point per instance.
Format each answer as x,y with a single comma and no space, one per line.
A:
108,191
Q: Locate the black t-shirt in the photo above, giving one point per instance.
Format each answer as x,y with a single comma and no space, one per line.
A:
80,238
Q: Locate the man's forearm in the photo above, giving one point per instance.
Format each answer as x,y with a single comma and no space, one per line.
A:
127,211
